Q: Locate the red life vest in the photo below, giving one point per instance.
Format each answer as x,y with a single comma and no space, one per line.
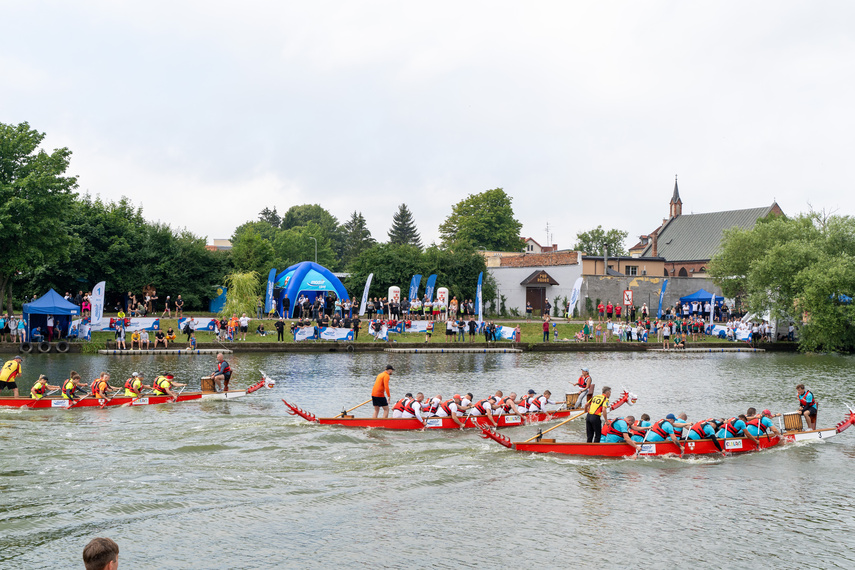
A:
399,406
536,403
608,428
434,406
730,429
408,407
657,429
129,384
96,384
634,431
446,406
698,428
803,400
506,405
40,388
479,405
761,428
582,382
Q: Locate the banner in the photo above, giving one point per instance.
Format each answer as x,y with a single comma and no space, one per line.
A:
712,307
109,325
431,283
199,325
268,296
382,335
661,297
330,333
505,333
414,286
304,333
97,300
414,327
365,295
574,297
479,301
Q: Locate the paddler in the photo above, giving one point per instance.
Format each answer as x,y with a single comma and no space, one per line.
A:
618,430
39,390
807,404
597,410
101,388
163,385
222,374
735,427
538,403
71,385
508,405
134,385
639,428
413,408
451,409
398,408
680,422
11,370
429,409
663,430
485,408
762,424
586,386
380,394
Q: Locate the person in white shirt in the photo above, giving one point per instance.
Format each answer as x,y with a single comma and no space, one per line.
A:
485,408
538,403
244,325
430,409
451,408
414,408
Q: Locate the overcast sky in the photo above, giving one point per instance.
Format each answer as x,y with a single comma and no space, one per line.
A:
206,112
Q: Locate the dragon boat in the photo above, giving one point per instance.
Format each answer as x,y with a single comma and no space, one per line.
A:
792,432
437,422
145,400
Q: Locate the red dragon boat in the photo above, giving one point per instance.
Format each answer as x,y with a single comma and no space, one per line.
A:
651,449
436,422
146,400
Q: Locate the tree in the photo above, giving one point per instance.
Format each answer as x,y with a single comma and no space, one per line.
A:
252,253
270,216
795,267
403,231
598,241
241,294
357,238
299,216
35,199
483,220
295,245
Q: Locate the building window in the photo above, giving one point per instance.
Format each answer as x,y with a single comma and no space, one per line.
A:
683,272
631,270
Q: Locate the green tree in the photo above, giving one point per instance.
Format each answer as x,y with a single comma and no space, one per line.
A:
252,253
357,237
403,230
296,244
300,216
598,240
270,216
789,267
241,294
483,220
35,199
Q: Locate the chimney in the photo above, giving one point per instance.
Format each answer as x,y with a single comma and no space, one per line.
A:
655,250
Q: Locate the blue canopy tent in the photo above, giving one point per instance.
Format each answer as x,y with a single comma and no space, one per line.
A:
309,279
51,303
702,296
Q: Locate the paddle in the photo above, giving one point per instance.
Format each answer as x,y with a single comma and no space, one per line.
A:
344,412
540,434
78,401
131,403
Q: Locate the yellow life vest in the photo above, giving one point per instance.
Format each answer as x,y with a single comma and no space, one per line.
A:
161,385
598,404
11,369
68,388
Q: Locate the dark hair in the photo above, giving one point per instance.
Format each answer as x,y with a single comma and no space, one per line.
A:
99,552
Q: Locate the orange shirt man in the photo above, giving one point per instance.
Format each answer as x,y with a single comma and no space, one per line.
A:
380,395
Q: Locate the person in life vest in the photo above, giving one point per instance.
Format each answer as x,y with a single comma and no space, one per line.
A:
134,385
485,408
430,407
586,387
597,410
508,405
413,408
72,385
222,374
101,387
618,430
398,408
11,370
663,430
538,403
451,409
679,422
163,385
807,405
39,390
638,429
735,427
758,425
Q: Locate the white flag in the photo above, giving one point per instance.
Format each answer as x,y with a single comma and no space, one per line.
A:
97,300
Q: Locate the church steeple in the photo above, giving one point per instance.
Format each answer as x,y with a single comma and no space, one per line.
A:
676,204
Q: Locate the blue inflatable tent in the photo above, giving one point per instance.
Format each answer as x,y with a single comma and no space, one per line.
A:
51,303
306,278
702,296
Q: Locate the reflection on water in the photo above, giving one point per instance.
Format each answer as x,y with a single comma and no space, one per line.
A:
242,484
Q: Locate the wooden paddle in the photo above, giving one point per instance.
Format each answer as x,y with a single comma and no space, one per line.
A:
351,409
78,401
540,434
131,403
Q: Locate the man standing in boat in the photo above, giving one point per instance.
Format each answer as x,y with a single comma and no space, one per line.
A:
586,383
380,394
222,374
807,403
597,410
10,371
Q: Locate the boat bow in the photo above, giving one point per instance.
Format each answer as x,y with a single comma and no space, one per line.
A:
296,411
489,433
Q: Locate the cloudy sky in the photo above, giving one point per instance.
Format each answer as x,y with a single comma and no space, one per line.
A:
205,112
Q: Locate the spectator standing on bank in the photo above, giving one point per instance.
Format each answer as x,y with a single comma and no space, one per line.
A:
280,330
179,307
546,328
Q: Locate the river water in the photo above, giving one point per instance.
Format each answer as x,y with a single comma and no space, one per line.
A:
242,484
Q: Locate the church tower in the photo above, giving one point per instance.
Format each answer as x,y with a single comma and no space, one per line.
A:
676,203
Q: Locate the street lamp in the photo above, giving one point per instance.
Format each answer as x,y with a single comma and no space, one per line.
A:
316,248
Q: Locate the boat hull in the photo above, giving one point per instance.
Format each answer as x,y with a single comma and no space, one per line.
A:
692,447
53,402
509,420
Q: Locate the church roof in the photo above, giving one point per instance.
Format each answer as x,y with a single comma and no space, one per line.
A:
697,237
676,197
